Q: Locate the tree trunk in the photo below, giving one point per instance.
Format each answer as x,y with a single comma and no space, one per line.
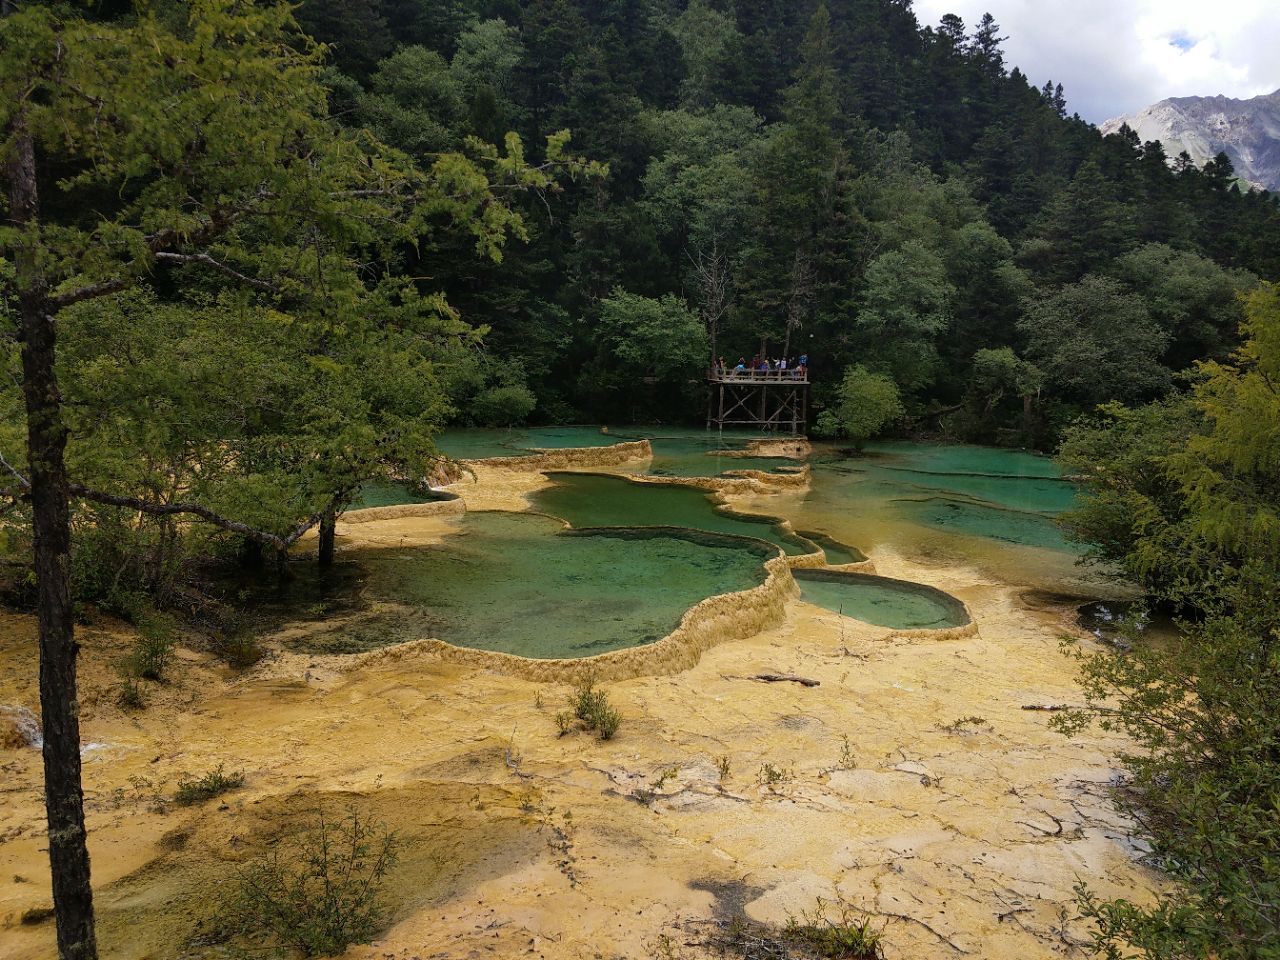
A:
328,529
50,501
251,557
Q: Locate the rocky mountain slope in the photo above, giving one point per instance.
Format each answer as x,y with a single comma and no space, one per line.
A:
1247,130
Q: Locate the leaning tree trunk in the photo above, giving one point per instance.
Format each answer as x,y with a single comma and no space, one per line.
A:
50,501
328,533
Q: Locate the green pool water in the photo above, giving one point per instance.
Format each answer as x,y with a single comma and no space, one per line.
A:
995,509
479,444
517,583
705,457
836,552
964,459
877,600
522,584
592,500
380,494
993,523
678,452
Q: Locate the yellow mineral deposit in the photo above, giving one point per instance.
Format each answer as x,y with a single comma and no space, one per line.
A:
962,840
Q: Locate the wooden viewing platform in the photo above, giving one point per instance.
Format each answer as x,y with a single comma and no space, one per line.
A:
759,376
763,399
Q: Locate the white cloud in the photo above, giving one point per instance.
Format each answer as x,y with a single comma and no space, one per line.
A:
1118,56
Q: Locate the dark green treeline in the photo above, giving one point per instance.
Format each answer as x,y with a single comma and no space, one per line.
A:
833,179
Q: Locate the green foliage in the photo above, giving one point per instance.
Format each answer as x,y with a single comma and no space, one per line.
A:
770,775
1183,495
847,934
153,650
130,694
414,103
237,648
1095,342
706,36
999,382
213,784
1132,517
1195,302
832,930
836,179
504,405
865,404
320,890
653,338
236,330
592,709
906,305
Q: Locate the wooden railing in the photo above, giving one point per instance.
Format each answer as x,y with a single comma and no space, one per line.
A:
729,375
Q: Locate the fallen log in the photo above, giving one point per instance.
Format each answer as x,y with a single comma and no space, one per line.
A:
786,678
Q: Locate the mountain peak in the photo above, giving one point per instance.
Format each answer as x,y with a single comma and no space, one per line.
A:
1247,131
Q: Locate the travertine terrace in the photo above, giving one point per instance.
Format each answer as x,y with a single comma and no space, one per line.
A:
963,842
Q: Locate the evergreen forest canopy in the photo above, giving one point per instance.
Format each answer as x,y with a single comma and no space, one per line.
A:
831,179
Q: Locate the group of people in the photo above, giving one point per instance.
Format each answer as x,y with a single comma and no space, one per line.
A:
782,365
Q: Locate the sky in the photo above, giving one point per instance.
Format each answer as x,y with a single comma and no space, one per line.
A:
1114,57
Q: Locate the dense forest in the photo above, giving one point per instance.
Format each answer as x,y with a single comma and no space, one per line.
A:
247,267
789,178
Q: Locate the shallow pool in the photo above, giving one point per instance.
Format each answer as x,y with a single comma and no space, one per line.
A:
594,500
878,600
518,583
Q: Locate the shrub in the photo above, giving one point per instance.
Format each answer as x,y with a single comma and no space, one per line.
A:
606,722
591,707
130,695
237,649
319,893
564,722
212,784
847,935
770,775
865,404
153,651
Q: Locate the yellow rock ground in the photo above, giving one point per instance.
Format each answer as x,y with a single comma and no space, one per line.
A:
521,843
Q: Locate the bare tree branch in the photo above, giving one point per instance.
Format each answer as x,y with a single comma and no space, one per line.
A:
204,513
89,291
22,481
221,267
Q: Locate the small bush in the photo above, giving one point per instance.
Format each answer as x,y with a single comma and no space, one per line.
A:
564,722
722,767
592,709
238,650
587,701
212,784
964,724
153,652
846,936
770,775
848,759
130,695
320,893
606,722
